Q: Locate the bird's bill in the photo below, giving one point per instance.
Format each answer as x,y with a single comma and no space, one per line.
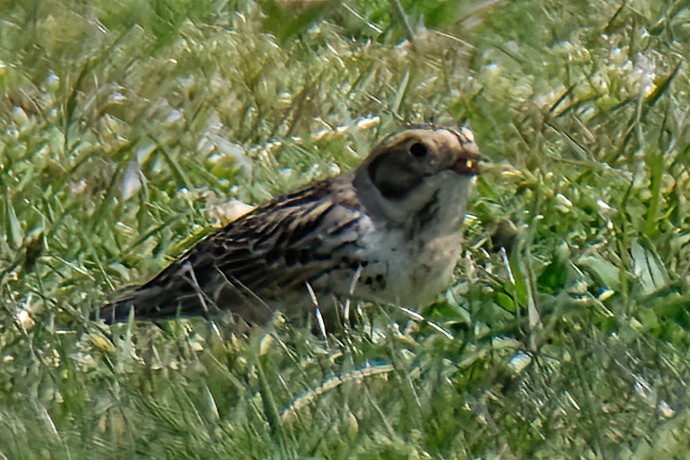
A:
467,165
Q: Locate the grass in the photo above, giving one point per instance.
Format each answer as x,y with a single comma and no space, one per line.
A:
129,126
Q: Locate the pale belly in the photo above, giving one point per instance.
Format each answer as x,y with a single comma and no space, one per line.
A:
398,272
403,269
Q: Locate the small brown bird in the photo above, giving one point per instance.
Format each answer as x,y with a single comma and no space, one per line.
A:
389,232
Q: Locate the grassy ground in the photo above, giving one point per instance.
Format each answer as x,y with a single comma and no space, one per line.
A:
128,126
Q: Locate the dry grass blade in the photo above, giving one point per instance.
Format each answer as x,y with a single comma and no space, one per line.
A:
332,383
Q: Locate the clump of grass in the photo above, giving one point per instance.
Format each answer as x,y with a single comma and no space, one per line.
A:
566,332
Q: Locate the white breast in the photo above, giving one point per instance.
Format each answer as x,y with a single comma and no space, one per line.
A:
412,270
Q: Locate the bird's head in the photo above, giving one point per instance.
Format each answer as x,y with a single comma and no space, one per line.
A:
411,166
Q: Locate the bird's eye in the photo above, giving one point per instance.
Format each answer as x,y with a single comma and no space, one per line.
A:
418,150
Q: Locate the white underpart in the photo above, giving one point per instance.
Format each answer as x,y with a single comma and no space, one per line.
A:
415,269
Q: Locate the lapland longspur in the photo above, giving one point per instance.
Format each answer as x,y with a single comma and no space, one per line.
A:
388,232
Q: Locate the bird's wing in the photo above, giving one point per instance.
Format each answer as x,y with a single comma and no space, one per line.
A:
260,258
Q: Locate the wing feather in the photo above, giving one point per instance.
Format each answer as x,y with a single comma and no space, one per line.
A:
261,259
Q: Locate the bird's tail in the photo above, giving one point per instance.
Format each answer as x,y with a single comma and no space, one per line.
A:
173,292
157,302
116,311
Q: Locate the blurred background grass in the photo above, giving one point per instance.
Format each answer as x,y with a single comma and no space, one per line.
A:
129,126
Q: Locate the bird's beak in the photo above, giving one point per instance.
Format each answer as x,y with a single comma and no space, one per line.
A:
467,164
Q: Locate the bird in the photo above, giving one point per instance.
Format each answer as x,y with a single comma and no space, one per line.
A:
390,232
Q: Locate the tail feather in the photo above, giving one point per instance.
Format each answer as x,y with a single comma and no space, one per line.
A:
155,303
179,290
117,311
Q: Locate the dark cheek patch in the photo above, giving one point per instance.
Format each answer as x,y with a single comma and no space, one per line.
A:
393,176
